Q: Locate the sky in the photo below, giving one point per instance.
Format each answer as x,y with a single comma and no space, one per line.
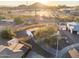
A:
69,3
47,2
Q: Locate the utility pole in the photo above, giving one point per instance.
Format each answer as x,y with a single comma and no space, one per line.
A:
35,11
57,49
58,38
29,9
28,3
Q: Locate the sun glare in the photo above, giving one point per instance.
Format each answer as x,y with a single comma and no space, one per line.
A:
43,1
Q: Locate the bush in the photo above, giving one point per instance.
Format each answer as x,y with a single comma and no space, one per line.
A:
77,20
6,34
46,35
18,20
44,32
1,17
51,40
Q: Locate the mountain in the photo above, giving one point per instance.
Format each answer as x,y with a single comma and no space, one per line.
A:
34,6
38,5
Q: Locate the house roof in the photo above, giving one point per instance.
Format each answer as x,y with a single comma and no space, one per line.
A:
76,27
8,20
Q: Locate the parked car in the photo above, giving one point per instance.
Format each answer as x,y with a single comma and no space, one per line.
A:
62,26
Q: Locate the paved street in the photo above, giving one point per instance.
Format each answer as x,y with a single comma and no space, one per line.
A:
73,42
72,38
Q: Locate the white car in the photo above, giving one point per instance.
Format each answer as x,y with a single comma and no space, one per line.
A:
67,41
65,38
62,26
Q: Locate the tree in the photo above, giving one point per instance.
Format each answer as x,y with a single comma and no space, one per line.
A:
62,6
77,20
18,20
6,34
46,34
2,17
9,12
42,32
51,40
49,37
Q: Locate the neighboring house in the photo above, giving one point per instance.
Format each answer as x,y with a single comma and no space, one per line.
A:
29,33
13,51
21,34
73,27
13,41
6,21
62,26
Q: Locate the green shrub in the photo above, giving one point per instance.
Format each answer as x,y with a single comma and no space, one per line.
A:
77,20
1,17
18,20
46,35
45,32
6,34
51,40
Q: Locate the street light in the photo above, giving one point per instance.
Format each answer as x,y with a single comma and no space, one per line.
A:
58,38
57,47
